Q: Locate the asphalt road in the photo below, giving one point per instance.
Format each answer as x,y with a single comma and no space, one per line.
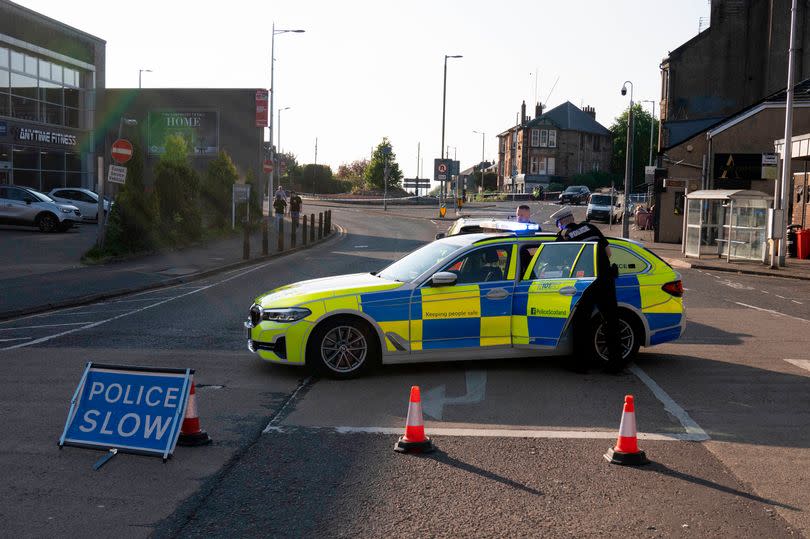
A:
723,414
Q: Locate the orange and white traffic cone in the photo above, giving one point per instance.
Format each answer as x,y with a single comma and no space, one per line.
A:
414,440
190,433
626,451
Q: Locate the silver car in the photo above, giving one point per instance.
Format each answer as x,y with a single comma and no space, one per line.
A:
27,207
84,199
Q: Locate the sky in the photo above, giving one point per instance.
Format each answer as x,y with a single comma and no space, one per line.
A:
364,70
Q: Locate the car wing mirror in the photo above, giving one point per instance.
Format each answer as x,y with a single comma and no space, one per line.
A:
440,235
443,278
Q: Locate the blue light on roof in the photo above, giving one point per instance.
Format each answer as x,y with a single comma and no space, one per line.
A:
517,228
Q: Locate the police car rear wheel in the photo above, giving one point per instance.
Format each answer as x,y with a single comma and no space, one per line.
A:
342,348
628,341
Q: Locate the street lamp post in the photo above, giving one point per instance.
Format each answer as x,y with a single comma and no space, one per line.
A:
483,142
273,158
139,75
652,126
444,110
628,163
278,137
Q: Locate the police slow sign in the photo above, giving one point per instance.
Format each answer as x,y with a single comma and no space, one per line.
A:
131,409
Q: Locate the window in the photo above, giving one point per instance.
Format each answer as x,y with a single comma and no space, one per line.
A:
526,255
482,265
4,80
544,137
556,260
30,65
628,263
595,166
533,167
552,138
3,57
25,158
542,169
585,265
535,138
17,61
551,163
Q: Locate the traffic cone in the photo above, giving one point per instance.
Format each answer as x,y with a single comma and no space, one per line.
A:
626,451
414,440
190,433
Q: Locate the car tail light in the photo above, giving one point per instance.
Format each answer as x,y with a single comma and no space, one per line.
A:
674,288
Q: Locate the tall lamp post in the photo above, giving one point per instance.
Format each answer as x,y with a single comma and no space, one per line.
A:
272,94
628,163
652,126
139,75
483,142
278,137
444,110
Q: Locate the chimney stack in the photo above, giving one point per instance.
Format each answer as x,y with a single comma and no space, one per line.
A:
590,111
538,110
523,113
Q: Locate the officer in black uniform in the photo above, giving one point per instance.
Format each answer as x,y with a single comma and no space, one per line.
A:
602,293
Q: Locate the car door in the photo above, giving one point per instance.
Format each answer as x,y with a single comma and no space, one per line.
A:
547,295
18,206
473,312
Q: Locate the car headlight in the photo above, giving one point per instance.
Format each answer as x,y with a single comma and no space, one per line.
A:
292,314
66,210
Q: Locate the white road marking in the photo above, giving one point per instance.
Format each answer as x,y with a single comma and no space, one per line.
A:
764,291
777,313
797,302
434,400
91,325
801,363
495,433
361,246
781,297
692,428
434,222
84,313
16,339
112,302
44,326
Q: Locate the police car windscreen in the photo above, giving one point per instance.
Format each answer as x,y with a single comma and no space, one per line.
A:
415,264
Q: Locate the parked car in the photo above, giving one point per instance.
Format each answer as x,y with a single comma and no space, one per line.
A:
469,296
84,199
27,207
575,194
604,207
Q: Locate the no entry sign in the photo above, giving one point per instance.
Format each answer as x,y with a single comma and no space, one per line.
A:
131,409
267,166
121,151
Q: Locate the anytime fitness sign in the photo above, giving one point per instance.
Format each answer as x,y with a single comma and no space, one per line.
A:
199,128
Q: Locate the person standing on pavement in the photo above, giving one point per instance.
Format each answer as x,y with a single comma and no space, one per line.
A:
601,294
279,204
295,207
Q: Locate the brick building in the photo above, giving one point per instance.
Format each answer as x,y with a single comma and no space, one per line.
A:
552,147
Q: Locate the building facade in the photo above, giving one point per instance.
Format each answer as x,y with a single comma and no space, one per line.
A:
51,79
210,120
555,145
739,60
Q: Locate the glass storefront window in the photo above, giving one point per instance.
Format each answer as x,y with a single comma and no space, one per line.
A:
44,69
73,162
17,61
56,73
26,157
51,114
31,65
3,57
27,178
74,179
52,180
4,80
25,109
5,104
50,92
52,160
70,77
72,98
71,117
23,86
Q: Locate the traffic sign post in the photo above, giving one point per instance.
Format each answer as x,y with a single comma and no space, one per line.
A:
117,174
267,166
121,151
241,193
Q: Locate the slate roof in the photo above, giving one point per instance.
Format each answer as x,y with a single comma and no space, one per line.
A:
570,117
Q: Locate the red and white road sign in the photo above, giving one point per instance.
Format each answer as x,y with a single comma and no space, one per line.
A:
121,151
267,166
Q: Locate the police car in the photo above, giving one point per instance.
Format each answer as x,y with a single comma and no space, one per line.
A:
469,296
471,225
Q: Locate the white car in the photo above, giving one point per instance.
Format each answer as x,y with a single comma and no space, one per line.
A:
22,206
603,207
84,199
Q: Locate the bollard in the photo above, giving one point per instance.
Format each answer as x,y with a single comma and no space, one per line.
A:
320,225
281,234
312,228
265,225
304,231
293,226
327,228
246,240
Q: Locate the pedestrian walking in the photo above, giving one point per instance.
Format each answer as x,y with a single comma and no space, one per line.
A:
601,294
295,207
279,204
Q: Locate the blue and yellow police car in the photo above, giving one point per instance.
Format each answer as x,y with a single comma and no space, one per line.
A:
502,294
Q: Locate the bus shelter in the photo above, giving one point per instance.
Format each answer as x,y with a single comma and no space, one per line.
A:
726,223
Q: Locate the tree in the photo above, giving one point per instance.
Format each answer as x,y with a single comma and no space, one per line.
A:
318,178
641,142
177,186
353,171
217,189
375,171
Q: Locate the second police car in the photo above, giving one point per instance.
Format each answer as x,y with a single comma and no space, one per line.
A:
470,296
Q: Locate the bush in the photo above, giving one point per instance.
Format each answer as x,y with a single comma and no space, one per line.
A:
177,186
217,189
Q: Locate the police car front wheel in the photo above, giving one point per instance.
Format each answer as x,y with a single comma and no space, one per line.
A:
342,347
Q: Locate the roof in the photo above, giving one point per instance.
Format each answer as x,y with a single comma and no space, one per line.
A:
570,117
728,194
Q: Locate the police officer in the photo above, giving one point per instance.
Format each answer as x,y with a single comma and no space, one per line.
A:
601,294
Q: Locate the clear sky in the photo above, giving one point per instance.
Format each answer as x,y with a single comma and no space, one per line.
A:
364,69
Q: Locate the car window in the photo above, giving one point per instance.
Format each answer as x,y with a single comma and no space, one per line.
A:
20,195
64,194
628,262
585,267
600,200
415,264
84,197
482,265
556,260
525,257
